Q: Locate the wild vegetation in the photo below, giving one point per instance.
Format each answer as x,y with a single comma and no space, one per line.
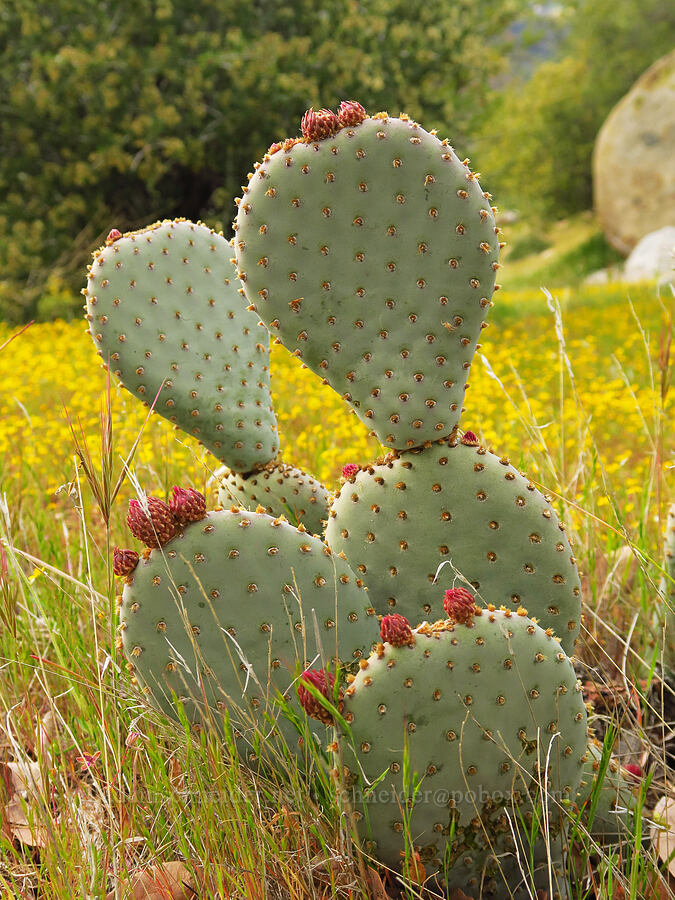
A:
101,795
125,112
115,787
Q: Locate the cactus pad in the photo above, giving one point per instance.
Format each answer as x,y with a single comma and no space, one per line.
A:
453,502
234,590
485,715
281,489
607,808
163,307
371,254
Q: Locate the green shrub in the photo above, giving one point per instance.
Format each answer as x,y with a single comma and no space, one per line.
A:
571,267
538,141
118,112
527,245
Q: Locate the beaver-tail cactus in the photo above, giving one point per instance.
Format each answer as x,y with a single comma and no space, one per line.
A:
166,315
480,728
413,521
224,616
279,488
371,253
606,799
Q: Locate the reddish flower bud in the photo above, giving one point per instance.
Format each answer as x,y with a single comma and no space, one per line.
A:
396,630
124,561
351,113
318,126
634,771
112,236
470,439
324,683
187,505
460,605
156,529
350,470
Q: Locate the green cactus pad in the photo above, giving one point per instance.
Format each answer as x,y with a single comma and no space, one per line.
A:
611,802
233,589
281,489
398,521
163,306
484,716
372,256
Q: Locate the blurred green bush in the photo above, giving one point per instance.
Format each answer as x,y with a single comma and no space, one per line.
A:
536,144
117,112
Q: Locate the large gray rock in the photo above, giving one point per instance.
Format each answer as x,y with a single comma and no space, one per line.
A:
652,257
634,162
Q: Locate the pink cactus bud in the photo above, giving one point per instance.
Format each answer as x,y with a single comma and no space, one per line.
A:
351,113
318,126
324,682
634,771
396,630
460,605
124,561
350,470
470,439
187,505
112,236
156,530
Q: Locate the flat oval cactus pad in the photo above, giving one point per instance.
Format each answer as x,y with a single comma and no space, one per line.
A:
371,254
164,310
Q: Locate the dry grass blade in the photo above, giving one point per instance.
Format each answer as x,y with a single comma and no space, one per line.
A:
164,881
102,486
15,335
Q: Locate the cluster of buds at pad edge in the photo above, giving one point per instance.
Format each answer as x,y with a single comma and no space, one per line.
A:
350,112
154,529
317,126
324,683
187,505
124,561
395,629
350,470
460,605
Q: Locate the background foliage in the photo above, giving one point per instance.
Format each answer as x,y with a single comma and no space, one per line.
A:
118,112
537,142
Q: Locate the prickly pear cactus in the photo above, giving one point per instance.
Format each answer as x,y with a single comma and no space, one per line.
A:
371,252
455,502
479,726
223,616
164,309
276,487
606,800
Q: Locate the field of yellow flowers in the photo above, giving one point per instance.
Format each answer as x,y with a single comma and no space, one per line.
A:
574,389
579,399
